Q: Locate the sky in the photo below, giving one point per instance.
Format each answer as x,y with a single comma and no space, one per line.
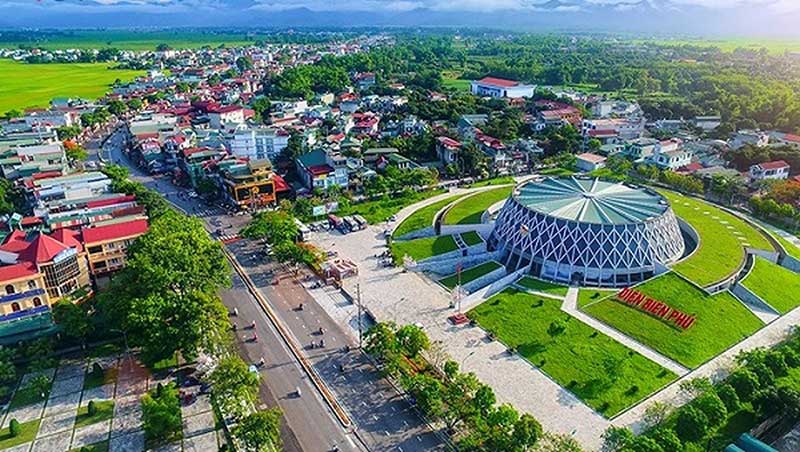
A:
776,18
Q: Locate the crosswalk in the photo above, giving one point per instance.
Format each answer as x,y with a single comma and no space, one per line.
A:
229,238
208,212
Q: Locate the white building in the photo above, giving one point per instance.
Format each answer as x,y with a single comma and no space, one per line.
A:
756,138
258,144
54,118
616,108
589,162
498,87
778,169
229,114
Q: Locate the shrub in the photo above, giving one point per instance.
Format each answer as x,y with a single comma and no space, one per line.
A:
666,438
764,374
13,428
691,424
556,327
729,397
91,408
791,357
711,405
776,363
632,390
161,414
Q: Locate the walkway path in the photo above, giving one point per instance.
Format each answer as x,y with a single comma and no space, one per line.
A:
570,306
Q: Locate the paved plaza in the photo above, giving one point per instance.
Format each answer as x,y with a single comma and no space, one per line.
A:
407,298
57,430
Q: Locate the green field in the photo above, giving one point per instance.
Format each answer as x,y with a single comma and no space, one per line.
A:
790,248
423,248
773,46
776,285
34,85
502,180
721,251
470,274
591,295
423,217
471,238
722,320
606,375
451,80
382,209
543,286
470,209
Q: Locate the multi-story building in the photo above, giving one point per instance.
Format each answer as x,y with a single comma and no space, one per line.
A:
320,169
258,144
249,184
107,246
24,303
498,87
769,170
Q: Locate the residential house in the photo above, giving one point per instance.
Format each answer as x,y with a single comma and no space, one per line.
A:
319,169
258,143
588,162
219,116
755,138
447,149
778,169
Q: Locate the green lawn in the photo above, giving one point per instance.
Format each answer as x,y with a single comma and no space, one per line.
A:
470,209
34,85
105,411
423,217
423,248
722,320
165,364
102,446
27,432
471,238
381,209
590,295
773,46
28,396
469,274
502,180
790,248
557,171
720,251
776,285
543,286
606,375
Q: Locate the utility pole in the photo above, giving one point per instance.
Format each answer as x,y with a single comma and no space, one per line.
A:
358,304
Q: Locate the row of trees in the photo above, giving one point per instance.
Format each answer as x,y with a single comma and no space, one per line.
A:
466,407
279,229
754,391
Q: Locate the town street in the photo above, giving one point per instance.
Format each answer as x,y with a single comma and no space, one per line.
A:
383,419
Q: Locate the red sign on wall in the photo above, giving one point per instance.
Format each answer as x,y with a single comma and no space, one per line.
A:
656,308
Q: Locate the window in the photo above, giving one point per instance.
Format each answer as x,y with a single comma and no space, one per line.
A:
15,306
31,284
9,289
37,301
95,249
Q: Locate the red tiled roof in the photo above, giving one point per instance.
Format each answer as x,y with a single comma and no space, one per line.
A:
773,165
447,141
494,81
68,237
43,248
791,137
602,133
30,221
16,271
318,170
280,184
46,175
114,231
225,109
15,242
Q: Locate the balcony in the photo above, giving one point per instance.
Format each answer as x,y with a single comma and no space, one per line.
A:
21,296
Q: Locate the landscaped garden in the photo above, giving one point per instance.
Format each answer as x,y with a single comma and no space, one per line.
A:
381,209
470,274
423,248
723,237
423,217
721,320
470,209
778,286
602,372
590,295
790,248
537,285
471,238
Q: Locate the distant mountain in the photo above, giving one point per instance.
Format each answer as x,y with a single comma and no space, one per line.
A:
656,17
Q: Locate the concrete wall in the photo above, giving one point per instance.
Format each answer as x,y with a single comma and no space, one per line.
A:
748,297
771,256
485,280
477,298
791,263
418,234
484,229
446,267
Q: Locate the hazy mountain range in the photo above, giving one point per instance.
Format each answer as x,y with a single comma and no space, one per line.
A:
777,18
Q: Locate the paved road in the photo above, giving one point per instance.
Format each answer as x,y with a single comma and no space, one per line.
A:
309,423
384,420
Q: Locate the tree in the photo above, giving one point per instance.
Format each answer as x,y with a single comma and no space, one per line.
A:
643,443
616,438
656,413
553,442
13,428
166,297
527,431
427,392
729,397
666,438
412,339
260,431
8,372
711,405
39,385
116,107
381,340
691,424
75,152
261,107
13,113
274,227
745,383
458,397
244,63
73,319
135,104
161,414
233,385
91,409
68,132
